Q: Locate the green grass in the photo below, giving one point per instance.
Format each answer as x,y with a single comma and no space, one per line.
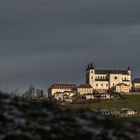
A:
132,101
133,118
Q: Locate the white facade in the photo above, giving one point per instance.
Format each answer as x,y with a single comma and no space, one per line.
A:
89,96
136,84
61,88
64,96
59,96
85,88
131,112
128,112
107,79
121,87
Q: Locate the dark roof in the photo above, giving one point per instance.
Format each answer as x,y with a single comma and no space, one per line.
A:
90,66
101,80
64,86
85,86
137,80
126,80
124,72
120,84
57,93
89,94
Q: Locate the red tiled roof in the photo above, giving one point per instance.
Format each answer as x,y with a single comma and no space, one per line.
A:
85,86
120,84
89,94
64,86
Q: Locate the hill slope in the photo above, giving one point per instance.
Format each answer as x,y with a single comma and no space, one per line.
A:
42,121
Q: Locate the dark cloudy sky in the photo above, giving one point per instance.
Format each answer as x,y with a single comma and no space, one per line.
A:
51,41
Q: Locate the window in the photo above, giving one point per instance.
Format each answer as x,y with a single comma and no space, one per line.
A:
115,78
97,85
91,77
102,85
106,85
91,71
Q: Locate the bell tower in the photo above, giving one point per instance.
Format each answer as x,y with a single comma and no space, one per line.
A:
129,70
90,75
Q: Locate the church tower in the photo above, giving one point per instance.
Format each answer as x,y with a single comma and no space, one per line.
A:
129,70
90,75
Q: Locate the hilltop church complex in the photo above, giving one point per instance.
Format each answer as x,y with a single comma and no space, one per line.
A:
101,81
108,79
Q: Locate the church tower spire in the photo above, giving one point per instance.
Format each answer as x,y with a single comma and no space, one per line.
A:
90,75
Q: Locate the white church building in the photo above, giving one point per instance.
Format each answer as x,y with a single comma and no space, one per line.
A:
104,80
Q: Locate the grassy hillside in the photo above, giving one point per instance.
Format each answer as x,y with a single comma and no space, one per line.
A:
132,101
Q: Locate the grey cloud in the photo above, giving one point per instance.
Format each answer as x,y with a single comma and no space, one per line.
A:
45,41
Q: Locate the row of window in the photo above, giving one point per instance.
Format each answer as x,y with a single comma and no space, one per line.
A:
84,90
102,85
101,77
123,88
105,77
